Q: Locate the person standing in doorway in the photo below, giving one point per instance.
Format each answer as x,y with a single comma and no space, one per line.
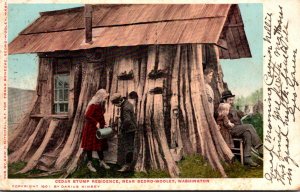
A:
208,75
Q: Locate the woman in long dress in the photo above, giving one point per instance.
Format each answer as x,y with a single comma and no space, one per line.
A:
208,76
94,118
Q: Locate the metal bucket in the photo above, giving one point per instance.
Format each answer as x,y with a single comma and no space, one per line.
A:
104,133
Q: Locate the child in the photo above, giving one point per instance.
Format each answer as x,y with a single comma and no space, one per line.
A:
94,119
224,123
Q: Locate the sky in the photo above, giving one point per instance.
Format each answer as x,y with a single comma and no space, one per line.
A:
243,76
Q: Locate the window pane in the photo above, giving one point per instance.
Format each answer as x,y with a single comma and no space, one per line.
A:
61,107
60,95
66,95
66,107
55,94
55,97
66,85
60,83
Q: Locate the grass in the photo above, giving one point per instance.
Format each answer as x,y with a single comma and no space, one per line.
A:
194,166
15,167
197,167
83,172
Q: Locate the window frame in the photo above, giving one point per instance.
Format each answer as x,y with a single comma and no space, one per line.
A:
56,91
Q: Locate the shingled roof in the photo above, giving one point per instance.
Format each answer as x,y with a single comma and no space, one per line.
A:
134,24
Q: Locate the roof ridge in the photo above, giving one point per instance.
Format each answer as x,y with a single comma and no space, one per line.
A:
81,8
62,11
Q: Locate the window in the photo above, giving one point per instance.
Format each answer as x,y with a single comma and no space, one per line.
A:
61,93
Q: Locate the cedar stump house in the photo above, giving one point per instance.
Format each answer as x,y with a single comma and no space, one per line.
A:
157,50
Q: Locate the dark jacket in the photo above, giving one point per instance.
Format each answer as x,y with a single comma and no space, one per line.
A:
235,116
128,140
128,119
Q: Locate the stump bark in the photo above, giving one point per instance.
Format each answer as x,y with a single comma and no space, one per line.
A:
171,109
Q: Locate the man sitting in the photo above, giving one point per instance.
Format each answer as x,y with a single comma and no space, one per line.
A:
244,131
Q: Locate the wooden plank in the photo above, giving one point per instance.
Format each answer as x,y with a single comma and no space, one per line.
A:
46,86
49,116
224,53
244,42
221,53
222,44
236,25
237,39
231,15
237,14
235,32
233,52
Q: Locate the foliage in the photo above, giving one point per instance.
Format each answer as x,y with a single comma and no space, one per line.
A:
257,122
251,99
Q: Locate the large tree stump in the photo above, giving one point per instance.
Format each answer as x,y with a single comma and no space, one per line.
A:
34,159
171,109
21,153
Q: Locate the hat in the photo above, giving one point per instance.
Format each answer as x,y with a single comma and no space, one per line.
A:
116,98
227,94
133,95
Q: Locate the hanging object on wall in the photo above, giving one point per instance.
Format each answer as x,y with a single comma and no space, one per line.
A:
156,90
126,76
156,74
